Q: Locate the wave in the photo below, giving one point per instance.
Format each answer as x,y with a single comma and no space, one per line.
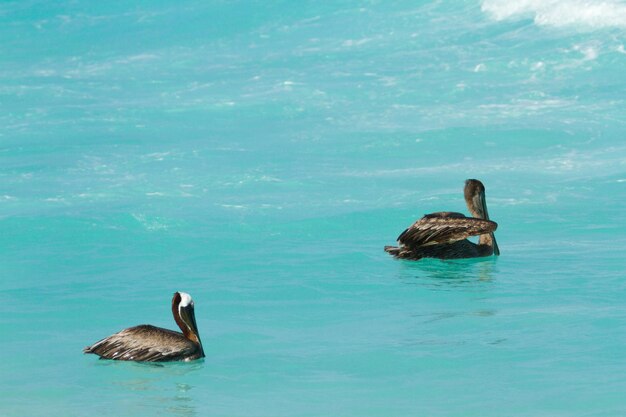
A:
560,13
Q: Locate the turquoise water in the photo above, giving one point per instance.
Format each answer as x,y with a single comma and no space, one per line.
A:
259,155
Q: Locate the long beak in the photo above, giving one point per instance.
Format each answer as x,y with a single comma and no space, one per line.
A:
483,205
496,250
189,318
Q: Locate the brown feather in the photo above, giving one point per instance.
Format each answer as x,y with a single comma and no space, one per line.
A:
458,250
146,343
436,230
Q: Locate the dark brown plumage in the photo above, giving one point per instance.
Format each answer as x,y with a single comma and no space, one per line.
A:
146,343
444,234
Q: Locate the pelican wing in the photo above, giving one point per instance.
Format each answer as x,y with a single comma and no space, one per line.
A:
444,227
144,343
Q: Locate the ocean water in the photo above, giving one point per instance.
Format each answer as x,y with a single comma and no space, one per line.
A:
260,154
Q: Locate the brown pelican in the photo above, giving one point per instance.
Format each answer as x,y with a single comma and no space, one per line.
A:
444,235
147,343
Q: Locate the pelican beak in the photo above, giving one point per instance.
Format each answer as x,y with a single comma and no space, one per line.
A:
496,250
188,316
482,203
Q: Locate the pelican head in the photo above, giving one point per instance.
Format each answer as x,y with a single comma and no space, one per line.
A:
475,199
183,311
477,205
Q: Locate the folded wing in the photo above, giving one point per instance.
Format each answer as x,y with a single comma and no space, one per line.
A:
444,227
144,343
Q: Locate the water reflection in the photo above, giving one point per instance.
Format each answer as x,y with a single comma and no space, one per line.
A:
182,404
443,319
450,274
158,387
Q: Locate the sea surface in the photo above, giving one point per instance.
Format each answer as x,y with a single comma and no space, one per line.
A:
260,154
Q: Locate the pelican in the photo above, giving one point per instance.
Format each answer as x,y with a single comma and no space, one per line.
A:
444,234
146,343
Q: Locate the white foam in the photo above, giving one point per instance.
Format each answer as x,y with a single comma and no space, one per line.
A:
480,68
185,299
150,223
560,13
537,66
590,52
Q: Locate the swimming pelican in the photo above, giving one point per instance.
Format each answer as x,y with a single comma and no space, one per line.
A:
146,343
444,235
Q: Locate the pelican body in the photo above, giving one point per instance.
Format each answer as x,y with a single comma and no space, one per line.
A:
146,343
444,235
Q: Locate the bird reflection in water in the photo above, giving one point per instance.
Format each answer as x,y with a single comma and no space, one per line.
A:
462,273
163,386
